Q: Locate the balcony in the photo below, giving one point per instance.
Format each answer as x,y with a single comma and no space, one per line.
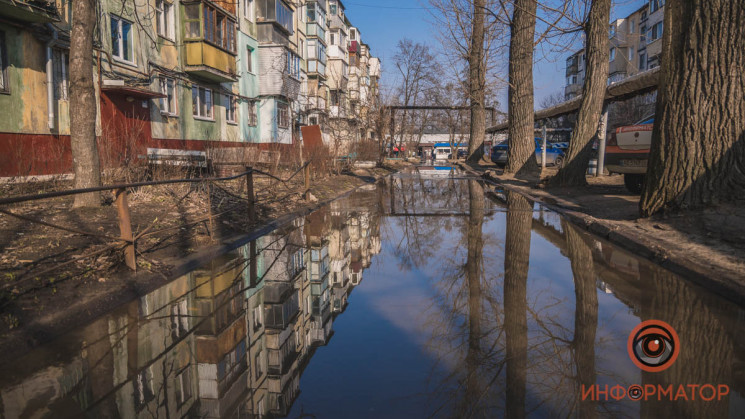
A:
353,46
280,315
32,11
316,67
209,62
314,29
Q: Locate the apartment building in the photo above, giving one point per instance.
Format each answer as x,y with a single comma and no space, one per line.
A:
176,74
635,46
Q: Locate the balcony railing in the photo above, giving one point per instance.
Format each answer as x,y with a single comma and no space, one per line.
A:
210,62
30,10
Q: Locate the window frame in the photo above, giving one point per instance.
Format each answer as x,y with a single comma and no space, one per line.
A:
166,108
198,105
4,77
231,107
249,12
120,21
165,20
252,119
283,121
249,60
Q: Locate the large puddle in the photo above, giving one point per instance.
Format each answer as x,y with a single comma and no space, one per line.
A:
427,295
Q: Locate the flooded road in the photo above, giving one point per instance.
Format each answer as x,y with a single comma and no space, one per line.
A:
426,295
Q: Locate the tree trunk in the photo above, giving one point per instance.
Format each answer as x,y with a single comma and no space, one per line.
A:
83,111
520,94
572,173
516,262
698,142
585,316
476,84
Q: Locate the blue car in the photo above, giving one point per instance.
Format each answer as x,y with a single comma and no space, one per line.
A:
554,154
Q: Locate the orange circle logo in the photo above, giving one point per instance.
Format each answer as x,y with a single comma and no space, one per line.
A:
653,345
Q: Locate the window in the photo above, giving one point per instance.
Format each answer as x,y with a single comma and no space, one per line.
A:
631,53
168,105
4,84
612,54
218,29
230,105
284,16
612,31
632,26
259,367
249,60
183,386
252,118
335,98
301,48
655,32
642,61
248,10
293,65
192,22
333,8
353,35
313,120
655,5
60,63
121,39
283,115
164,18
257,320
644,16
331,39
642,33
201,99
143,388
311,12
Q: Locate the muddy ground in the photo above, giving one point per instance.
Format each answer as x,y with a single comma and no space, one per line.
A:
706,246
51,279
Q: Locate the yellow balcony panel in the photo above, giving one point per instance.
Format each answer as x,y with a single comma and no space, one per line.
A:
209,62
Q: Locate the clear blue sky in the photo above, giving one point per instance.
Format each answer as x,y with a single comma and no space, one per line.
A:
383,22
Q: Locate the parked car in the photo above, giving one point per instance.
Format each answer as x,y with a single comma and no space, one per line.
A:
627,152
554,155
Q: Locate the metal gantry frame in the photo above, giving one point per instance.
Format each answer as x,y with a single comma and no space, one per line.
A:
393,109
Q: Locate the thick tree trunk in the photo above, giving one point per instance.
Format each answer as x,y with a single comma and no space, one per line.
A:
572,173
516,262
476,83
85,161
698,142
520,94
585,316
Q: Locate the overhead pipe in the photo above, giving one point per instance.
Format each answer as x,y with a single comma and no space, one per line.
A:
50,77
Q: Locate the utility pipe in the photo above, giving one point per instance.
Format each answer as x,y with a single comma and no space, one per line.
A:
50,77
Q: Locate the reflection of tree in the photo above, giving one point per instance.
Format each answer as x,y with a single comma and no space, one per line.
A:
706,353
585,317
516,258
473,278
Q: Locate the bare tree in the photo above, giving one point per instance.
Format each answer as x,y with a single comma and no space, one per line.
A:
85,160
698,142
477,82
520,95
572,173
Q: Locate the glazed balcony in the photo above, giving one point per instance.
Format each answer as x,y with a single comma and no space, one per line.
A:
32,11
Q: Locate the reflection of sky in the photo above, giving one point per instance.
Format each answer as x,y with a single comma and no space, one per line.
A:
384,359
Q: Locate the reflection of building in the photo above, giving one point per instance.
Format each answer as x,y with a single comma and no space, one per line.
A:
230,339
221,336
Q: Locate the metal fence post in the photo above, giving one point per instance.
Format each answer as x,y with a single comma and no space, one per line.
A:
307,178
601,142
543,152
125,227
250,194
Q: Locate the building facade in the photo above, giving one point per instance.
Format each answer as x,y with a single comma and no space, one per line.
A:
173,74
635,46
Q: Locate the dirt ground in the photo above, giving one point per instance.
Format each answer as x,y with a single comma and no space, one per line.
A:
46,272
706,245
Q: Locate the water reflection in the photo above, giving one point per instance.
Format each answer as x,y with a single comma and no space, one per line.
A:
495,307
227,340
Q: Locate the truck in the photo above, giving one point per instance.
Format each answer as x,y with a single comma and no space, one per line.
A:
627,153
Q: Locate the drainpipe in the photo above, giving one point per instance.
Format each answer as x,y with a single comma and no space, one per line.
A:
50,77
